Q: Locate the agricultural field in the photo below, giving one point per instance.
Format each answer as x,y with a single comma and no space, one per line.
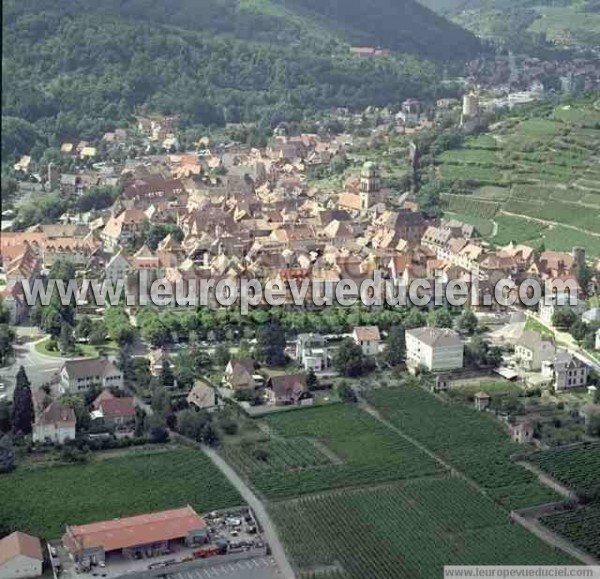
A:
325,448
580,527
450,430
532,168
408,530
577,467
42,500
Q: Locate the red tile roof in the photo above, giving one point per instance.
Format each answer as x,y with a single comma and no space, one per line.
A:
117,407
133,531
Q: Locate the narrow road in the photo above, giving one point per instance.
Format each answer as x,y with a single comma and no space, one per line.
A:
259,510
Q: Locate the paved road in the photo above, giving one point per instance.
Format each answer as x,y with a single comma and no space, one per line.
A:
40,369
259,510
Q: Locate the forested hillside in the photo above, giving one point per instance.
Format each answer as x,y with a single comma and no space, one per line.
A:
79,67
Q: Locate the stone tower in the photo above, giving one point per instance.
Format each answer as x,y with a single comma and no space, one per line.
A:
370,184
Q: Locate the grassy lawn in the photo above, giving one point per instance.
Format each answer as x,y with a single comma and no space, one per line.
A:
81,350
489,385
536,326
42,500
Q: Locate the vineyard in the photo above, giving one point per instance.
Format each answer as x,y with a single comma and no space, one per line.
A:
470,206
42,500
408,530
578,467
359,451
579,526
472,442
543,168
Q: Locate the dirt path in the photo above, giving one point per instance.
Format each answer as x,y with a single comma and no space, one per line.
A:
259,510
546,479
532,525
551,538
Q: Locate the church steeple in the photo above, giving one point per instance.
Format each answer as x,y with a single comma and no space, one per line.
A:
370,184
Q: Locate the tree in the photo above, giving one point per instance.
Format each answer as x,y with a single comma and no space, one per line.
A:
65,341
7,339
579,330
167,377
5,420
395,347
467,323
415,319
22,404
479,353
347,394
97,335
349,360
221,355
84,328
125,362
440,318
157,429
564,318
312,382
270,344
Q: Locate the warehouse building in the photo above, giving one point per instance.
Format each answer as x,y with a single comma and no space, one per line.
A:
134,537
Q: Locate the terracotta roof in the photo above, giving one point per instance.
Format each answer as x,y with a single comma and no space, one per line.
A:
117,407
20,544
367,333
132,531
102,397
57,414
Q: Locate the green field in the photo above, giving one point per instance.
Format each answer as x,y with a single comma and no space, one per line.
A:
405,531
42,500
360,451
543,168
568,25
578,467
580,527
472,442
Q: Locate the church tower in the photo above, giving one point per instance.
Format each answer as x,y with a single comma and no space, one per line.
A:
370,185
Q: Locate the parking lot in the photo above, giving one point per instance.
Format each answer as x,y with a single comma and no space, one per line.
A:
259,568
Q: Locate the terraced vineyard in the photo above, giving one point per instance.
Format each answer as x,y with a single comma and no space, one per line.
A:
361,451
472,442
408,530
577,468
580,527
537,178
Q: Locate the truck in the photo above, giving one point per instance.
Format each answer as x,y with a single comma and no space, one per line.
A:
209,551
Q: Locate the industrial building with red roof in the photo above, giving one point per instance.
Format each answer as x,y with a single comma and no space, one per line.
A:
137,533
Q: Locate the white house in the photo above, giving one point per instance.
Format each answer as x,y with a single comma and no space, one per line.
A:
565,371
20,556
598,339
311,352
79,375
368,338
434,348
55,424
532,350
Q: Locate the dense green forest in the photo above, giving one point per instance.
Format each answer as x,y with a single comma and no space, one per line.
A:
77,68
